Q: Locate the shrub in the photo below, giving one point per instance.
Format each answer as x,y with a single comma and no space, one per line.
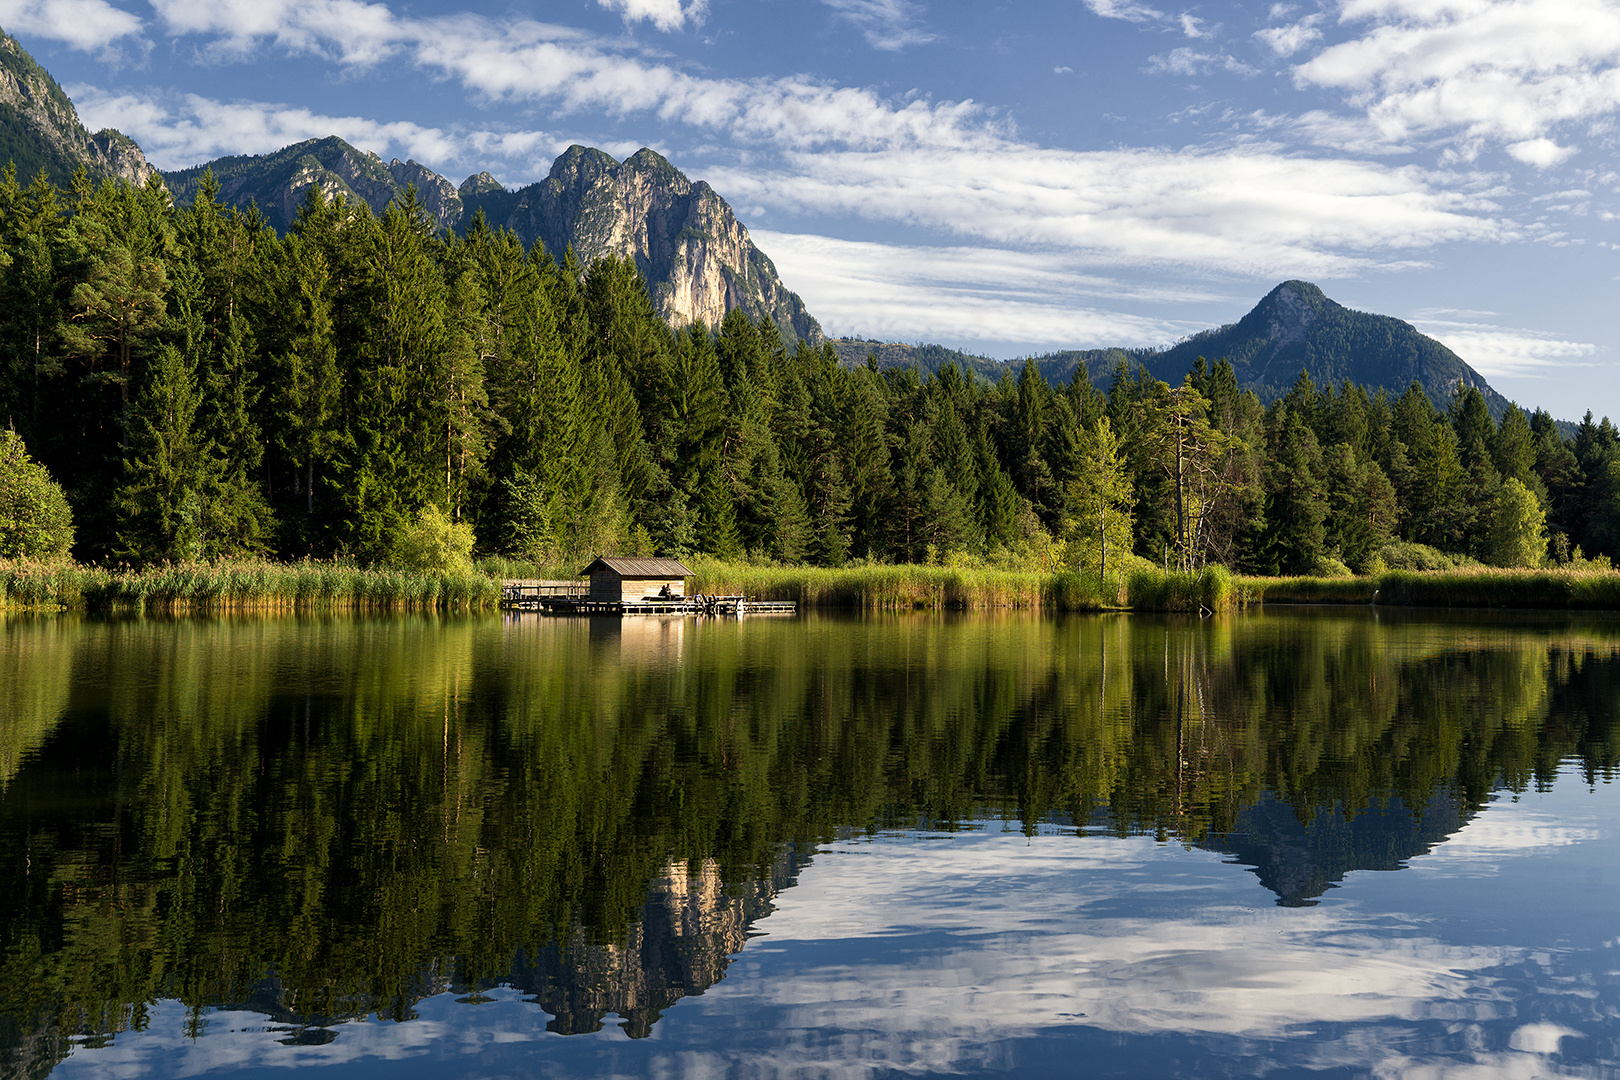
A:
35,520
1400,555
434,544
1327,567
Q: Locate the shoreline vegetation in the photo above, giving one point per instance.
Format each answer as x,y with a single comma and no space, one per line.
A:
245,585
341,585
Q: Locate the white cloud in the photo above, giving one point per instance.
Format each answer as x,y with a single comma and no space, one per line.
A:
522,60
1505,351
1249,210
1191,62
1288,40
88,25
886,24
1510,71
1194,27
1129,10
667,15
1032,300
1542,153
188,130
352,31
949,166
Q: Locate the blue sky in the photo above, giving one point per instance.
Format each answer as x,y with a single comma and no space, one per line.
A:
1006,177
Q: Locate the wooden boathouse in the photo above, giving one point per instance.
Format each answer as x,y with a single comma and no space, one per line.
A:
630,586
617,581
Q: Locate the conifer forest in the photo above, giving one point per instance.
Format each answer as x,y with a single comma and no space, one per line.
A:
200,387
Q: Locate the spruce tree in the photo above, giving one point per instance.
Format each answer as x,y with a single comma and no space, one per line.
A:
160,505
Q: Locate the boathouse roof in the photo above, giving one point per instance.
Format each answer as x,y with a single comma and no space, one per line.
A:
657,569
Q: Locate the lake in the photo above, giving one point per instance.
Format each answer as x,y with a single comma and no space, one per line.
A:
1298,842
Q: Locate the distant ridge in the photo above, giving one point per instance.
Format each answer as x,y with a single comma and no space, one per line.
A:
1295,328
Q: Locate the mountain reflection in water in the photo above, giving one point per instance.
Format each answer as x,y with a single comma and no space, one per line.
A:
318,820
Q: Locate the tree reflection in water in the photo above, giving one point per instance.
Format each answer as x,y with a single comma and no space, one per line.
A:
319,819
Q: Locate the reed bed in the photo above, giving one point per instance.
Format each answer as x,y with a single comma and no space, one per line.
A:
243,585
910,587
1475,587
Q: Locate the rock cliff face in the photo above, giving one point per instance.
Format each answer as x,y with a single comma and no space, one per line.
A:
40,128
696,256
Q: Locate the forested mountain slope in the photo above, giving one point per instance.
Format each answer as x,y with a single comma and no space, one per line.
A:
40,128
1297,328
277,182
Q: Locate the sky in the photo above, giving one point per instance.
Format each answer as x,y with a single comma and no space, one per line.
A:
1007,176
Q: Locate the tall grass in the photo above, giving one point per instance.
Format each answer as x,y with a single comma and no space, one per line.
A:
1585,589
884,587
1209,589
249,584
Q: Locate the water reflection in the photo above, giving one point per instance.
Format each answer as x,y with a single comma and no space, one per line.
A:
313,821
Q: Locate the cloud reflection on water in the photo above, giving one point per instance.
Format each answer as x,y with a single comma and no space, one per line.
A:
964,952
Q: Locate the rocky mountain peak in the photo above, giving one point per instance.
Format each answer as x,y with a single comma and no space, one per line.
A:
655,168
1287,313
579,167
482,184
696,257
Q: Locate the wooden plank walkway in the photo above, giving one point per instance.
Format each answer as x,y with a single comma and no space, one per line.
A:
573,598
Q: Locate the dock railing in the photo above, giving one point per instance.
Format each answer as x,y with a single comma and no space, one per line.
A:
529,593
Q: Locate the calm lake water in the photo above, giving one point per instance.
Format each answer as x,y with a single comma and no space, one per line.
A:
1326,843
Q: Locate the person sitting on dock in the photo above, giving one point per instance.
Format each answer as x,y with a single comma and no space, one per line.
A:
663,594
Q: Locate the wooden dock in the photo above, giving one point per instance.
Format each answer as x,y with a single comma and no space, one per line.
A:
573,598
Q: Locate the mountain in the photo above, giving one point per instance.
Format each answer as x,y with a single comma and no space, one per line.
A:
277,181
40,128
1298,328
1295,328
696,256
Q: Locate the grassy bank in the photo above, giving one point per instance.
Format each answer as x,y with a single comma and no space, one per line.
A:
247,585
1478,587
907,587
340,585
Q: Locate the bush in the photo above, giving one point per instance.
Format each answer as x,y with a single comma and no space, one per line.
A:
35,520
1326,567
434,544
1400,555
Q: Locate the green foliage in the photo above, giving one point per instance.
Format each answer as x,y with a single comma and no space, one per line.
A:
1099,500
1399,555
434,543
36,522
1518,532
203,388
